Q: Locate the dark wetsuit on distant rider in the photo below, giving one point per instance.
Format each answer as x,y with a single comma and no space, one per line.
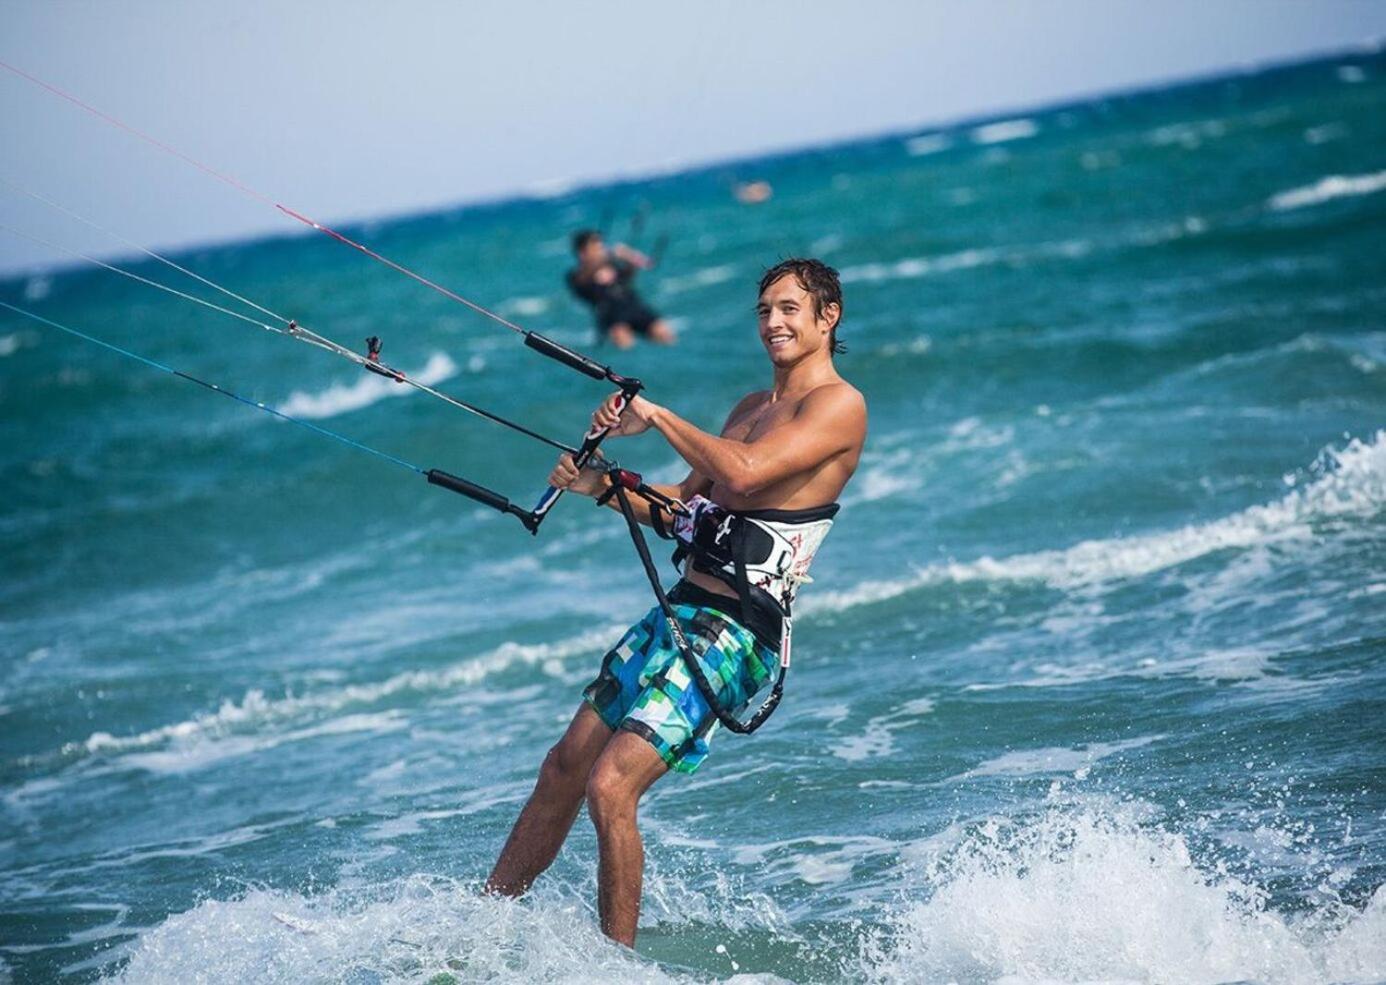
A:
604,280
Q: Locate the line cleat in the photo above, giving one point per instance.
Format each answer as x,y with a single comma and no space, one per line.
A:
373,363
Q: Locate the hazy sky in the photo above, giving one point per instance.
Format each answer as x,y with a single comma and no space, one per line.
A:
350,109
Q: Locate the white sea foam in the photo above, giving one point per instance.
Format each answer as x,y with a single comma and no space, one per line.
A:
928,143
37,288
412,930
368,389
255,709
706,277
996,133
1086,896
910,268
1189,135
1351,74
1053,761
1328,188
189,757
1325,133
878,737
526,307
1350,482
12,343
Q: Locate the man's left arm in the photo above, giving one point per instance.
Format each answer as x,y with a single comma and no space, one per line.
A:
828,422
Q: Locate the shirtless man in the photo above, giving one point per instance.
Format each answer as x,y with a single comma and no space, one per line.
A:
604,279
789,450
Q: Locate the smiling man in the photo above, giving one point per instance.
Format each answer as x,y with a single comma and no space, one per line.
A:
758,501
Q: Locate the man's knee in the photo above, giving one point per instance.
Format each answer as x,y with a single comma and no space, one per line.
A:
610,793
563,766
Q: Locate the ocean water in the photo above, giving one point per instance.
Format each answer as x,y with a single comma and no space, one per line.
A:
1090,686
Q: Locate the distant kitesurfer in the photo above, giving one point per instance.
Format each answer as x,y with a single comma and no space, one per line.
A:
771,479
604,279
752,192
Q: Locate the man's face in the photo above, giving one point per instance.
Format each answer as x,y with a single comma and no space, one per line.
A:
790,328
593,251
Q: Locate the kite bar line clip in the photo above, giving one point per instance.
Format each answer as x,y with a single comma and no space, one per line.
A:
373,363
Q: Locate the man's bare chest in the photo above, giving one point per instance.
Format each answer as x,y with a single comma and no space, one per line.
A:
759,420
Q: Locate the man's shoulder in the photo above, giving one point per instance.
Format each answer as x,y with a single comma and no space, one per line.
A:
837,395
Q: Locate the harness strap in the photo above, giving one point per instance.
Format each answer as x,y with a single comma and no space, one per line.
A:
695,669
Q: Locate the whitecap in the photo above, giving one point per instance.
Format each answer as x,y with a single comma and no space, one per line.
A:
37,288
1081,894
1350,482
705,277
1053,760
1351,74
368,389
912,267
1328,188
1325,133
928,143
877,739
255,709
1004,130
189,757
525,307
12,343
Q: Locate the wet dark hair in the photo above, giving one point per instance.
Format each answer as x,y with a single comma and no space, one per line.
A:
582,237
819,280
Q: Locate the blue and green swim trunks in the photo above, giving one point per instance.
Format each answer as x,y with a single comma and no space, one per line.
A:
644,686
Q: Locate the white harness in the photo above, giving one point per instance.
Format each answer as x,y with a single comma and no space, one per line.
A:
763,554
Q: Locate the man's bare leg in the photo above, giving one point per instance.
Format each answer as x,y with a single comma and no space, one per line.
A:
662,333
622,774
621,335
544,822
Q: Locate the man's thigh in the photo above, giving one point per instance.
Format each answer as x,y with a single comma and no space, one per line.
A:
587,735
628,764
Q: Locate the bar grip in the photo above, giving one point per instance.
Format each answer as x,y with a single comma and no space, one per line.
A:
481,494
569,358
470,489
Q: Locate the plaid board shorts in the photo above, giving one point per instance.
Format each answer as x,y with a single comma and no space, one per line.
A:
644,686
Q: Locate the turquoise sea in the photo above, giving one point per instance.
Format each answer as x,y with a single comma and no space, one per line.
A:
1090,684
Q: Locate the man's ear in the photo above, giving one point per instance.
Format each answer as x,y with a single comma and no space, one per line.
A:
832,314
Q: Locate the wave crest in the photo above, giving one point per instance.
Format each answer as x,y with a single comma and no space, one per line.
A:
1083,895
367,390
1328,188
1345,483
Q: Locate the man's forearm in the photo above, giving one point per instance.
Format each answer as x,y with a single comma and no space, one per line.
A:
725,462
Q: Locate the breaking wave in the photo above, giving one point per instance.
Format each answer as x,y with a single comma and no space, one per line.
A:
367,390
1080,895
1346,482
1327,189
255,709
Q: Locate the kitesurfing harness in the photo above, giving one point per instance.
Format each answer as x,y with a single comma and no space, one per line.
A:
763,554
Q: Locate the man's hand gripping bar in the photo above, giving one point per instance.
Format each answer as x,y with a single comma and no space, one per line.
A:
629,387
